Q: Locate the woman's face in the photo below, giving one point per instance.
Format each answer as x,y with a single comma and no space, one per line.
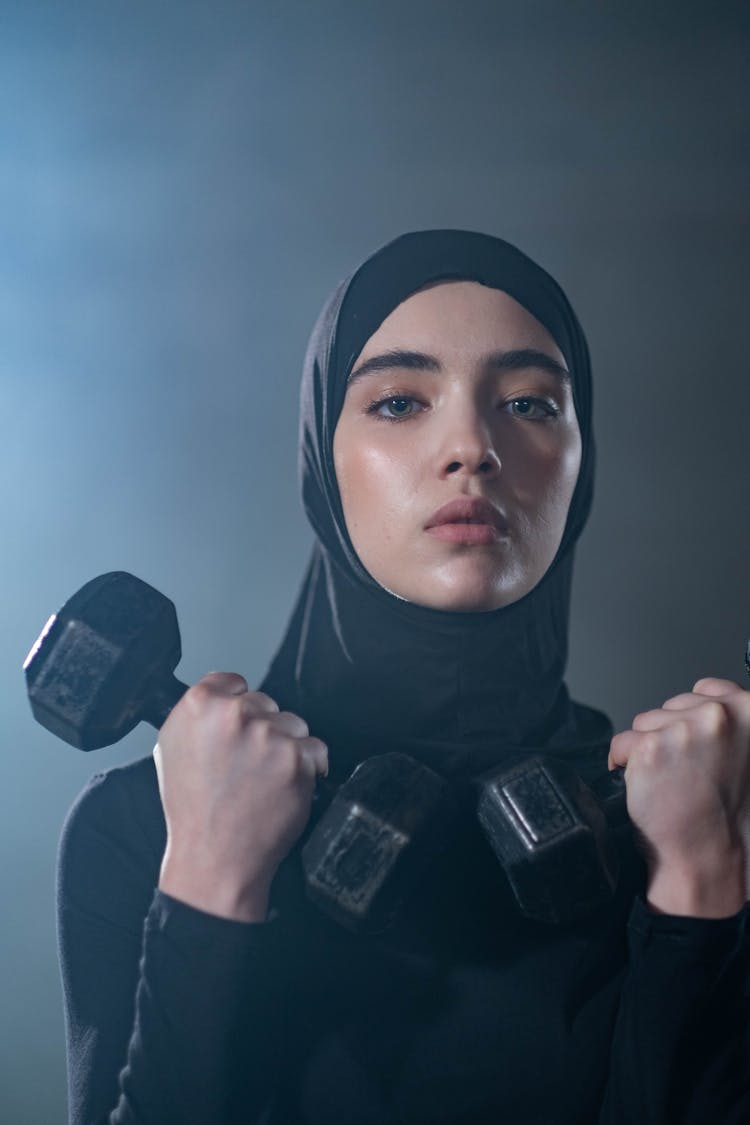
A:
461,394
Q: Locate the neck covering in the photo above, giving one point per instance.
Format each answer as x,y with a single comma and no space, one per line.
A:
370,672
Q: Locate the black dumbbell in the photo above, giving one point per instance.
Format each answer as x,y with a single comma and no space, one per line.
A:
552,834
106,661
384,825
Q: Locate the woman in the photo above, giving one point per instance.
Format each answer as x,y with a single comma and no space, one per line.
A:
447,379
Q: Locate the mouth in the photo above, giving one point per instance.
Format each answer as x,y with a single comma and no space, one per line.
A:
480,534
466,519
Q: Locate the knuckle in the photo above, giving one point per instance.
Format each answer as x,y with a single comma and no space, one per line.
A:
298,724
287,762
200,690
263,701
649,749
682,732
226,716
261,728
199,697
716,717
218,686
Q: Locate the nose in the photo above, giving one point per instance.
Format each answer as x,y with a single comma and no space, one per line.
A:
469,447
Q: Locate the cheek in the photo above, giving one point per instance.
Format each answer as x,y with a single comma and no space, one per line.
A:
564,468
375,484
560,480
545,480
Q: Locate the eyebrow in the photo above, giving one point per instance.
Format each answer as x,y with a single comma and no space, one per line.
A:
514,360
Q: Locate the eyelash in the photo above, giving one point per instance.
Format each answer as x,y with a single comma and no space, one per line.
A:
551,410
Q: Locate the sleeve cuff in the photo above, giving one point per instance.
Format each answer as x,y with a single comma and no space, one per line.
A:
169,911
217,955
177,920
718,933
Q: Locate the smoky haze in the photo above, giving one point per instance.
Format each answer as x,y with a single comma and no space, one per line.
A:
181,187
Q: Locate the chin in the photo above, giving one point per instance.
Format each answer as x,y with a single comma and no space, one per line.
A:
476,590
467,592
465,601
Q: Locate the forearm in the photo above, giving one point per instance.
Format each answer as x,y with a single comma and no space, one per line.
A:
191,1034
207,1024
680,1043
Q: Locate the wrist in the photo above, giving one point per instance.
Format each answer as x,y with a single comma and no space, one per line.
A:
711,887
215,893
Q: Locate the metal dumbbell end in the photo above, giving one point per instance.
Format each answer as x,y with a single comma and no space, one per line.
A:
550,832
105,662
365,855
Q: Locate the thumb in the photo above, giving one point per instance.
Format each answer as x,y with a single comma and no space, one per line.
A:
711,685
315,753
224,683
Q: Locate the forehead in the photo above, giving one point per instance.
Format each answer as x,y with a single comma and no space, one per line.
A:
460,316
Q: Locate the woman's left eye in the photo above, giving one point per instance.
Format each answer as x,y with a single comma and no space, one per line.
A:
534,408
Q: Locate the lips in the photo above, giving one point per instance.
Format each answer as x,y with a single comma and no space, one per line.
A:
468,510
468,522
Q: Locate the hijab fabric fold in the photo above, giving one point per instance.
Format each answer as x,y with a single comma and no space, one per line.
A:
370,672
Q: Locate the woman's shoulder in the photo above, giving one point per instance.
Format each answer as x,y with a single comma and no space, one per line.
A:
114,834
127,793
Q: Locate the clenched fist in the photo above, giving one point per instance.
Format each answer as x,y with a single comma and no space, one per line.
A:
236,780
687,771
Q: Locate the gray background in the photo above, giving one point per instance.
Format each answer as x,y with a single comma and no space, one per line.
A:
182,185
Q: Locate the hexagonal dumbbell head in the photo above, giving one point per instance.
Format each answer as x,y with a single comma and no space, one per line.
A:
105,661
369,847
551,836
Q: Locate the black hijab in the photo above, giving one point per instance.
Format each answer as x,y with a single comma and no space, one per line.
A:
370,672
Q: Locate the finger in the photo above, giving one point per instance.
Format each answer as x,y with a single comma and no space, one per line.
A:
224,683
285,722
620,748
666,716
652,720
684,701
711,685
315,756
259,702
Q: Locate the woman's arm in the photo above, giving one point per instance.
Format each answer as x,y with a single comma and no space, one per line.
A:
681,1048
172,1014
178,1020
681,1045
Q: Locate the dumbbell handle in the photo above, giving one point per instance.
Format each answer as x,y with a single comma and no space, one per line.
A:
169,691
610,792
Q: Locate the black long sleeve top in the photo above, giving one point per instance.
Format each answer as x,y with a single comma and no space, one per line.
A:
463,1012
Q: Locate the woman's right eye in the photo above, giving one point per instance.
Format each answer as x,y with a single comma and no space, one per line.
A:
397,407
